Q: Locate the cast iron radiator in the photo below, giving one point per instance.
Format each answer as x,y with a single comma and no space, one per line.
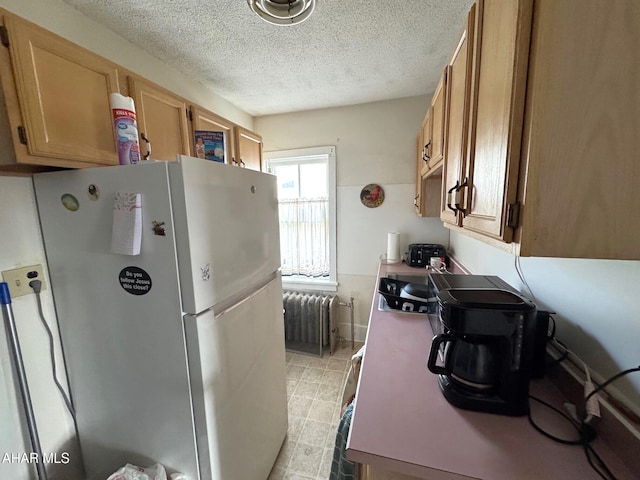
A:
310,322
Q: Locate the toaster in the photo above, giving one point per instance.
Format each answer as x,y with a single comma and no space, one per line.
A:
418,254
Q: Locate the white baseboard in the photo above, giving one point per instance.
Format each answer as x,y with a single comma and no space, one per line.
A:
360,331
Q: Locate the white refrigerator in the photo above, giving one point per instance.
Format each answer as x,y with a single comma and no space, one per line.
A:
174,355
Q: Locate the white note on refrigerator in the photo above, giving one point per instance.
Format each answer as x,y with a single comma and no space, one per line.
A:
126,233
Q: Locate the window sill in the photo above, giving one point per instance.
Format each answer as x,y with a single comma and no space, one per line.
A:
309,285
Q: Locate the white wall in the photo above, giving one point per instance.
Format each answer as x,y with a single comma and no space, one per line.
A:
375,143
597,304
21,245
65,21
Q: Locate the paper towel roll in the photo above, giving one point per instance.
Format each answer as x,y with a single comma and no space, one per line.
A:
393,247
126,128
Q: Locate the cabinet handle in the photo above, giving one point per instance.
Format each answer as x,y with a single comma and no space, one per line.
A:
242,163
425,156
415,201
22,135
146,155
233,161
449,192
459,194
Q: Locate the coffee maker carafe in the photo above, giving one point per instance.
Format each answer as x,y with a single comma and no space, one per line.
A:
486,349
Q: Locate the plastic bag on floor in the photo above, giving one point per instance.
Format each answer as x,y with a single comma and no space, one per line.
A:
133,472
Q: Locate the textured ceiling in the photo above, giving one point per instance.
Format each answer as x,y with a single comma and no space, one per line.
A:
347,52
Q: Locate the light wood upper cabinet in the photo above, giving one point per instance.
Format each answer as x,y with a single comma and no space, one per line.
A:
248,149
162,119
429,156
417,200
243,147
438,103
430,190
56,96
457,112
551,166
55,109
428,180
424,151
205,120
580,170
500,58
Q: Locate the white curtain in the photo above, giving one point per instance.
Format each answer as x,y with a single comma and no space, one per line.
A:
304,237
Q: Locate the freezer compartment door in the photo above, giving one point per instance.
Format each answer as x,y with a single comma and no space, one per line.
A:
237,369
227,231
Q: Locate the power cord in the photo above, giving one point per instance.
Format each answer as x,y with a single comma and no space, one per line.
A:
550,337
586,432
577,441
592,407
522,279
36,285
587,449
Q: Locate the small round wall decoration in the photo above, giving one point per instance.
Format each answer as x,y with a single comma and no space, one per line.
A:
372,195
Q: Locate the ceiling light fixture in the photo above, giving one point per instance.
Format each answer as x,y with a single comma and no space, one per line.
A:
283,12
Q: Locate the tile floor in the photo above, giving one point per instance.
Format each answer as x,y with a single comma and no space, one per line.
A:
314,390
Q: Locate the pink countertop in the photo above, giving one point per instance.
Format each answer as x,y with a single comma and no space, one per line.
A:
402,422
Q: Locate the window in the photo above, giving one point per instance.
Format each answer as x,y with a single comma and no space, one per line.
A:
307,207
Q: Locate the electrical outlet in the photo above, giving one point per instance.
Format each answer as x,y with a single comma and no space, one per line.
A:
18,280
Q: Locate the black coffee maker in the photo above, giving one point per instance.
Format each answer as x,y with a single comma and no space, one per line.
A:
484,357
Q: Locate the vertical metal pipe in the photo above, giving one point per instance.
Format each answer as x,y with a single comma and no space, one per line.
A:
353,326
16,357
351,306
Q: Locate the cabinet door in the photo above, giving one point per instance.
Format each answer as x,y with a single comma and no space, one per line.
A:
417,200
438,122
500,57
457,102
428,188
162,119
205,120
425,153
63,92
248,149
581,196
